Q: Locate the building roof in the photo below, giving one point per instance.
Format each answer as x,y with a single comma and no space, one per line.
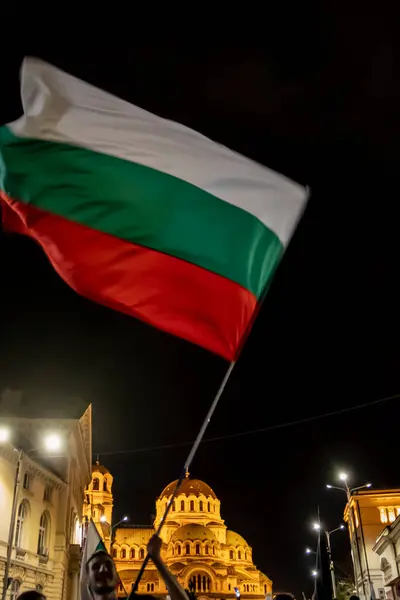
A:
191,532
234,539
188,487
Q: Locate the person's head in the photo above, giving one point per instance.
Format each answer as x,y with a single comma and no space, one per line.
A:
102,574
31,595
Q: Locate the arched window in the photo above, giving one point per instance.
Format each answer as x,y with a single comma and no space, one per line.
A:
115,553
245,556
96,484
132,554
26,481
141,554
231,555
265,589
207,550
192,505
21,516
14,589
187,549
200,582
201,505
197,548
229,586
173,506
208,507
43,538
182,505
178,548
214,550
239,555
123,553
105,489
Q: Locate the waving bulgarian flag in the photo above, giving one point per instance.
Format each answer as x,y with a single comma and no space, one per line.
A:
142,214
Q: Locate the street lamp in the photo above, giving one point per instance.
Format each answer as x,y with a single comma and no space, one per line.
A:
51,442
329,550
348,491
314,573
309,551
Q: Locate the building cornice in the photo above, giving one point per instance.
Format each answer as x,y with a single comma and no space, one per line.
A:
33,467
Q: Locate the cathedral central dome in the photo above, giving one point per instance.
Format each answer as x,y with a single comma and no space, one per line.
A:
188,487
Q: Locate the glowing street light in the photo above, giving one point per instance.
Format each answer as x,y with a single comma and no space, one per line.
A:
343,476
316,526
314,573
5,434
309,551
52,442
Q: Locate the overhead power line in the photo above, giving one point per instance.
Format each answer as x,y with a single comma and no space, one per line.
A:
230,436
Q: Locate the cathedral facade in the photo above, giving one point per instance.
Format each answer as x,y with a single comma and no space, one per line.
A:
203,554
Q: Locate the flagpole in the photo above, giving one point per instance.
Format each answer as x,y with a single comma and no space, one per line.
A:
186,466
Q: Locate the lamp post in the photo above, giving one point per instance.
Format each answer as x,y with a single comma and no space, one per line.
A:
52,442
103,519
317,527
351,525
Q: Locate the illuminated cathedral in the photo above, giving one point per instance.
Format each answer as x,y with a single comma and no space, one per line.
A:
203,554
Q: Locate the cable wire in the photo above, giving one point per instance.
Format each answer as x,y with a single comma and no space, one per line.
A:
230,436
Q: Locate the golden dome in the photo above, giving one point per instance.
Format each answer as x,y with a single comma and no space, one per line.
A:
191,532
188,487
98,468
234,539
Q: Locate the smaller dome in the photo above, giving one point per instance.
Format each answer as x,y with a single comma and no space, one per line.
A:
98,468
193,532
234,539
189,486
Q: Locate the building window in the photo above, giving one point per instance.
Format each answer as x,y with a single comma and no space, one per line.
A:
201,505
187,549
43,535
192,505
150,587
178,549
105,489
231,555
96,484
141,554
20,524
182,505
245,556
383,515
239,555
229,586
391,514
14,589
265,589
26,482
173,506
197,548
132,554
47,494
200,583
115,553
208,507
207,550
123,553
214,550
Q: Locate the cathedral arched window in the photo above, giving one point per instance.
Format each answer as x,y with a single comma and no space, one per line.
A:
105,486
201,505
141,554
265,589
115,553
207,550
231,555
173,506
200,582
96,484
214,550
197,548
239,555
187,549
182,505
132,554
245,556
208,507
178,549
192,505
123,553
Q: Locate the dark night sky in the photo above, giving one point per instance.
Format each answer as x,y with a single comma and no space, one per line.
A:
319,104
